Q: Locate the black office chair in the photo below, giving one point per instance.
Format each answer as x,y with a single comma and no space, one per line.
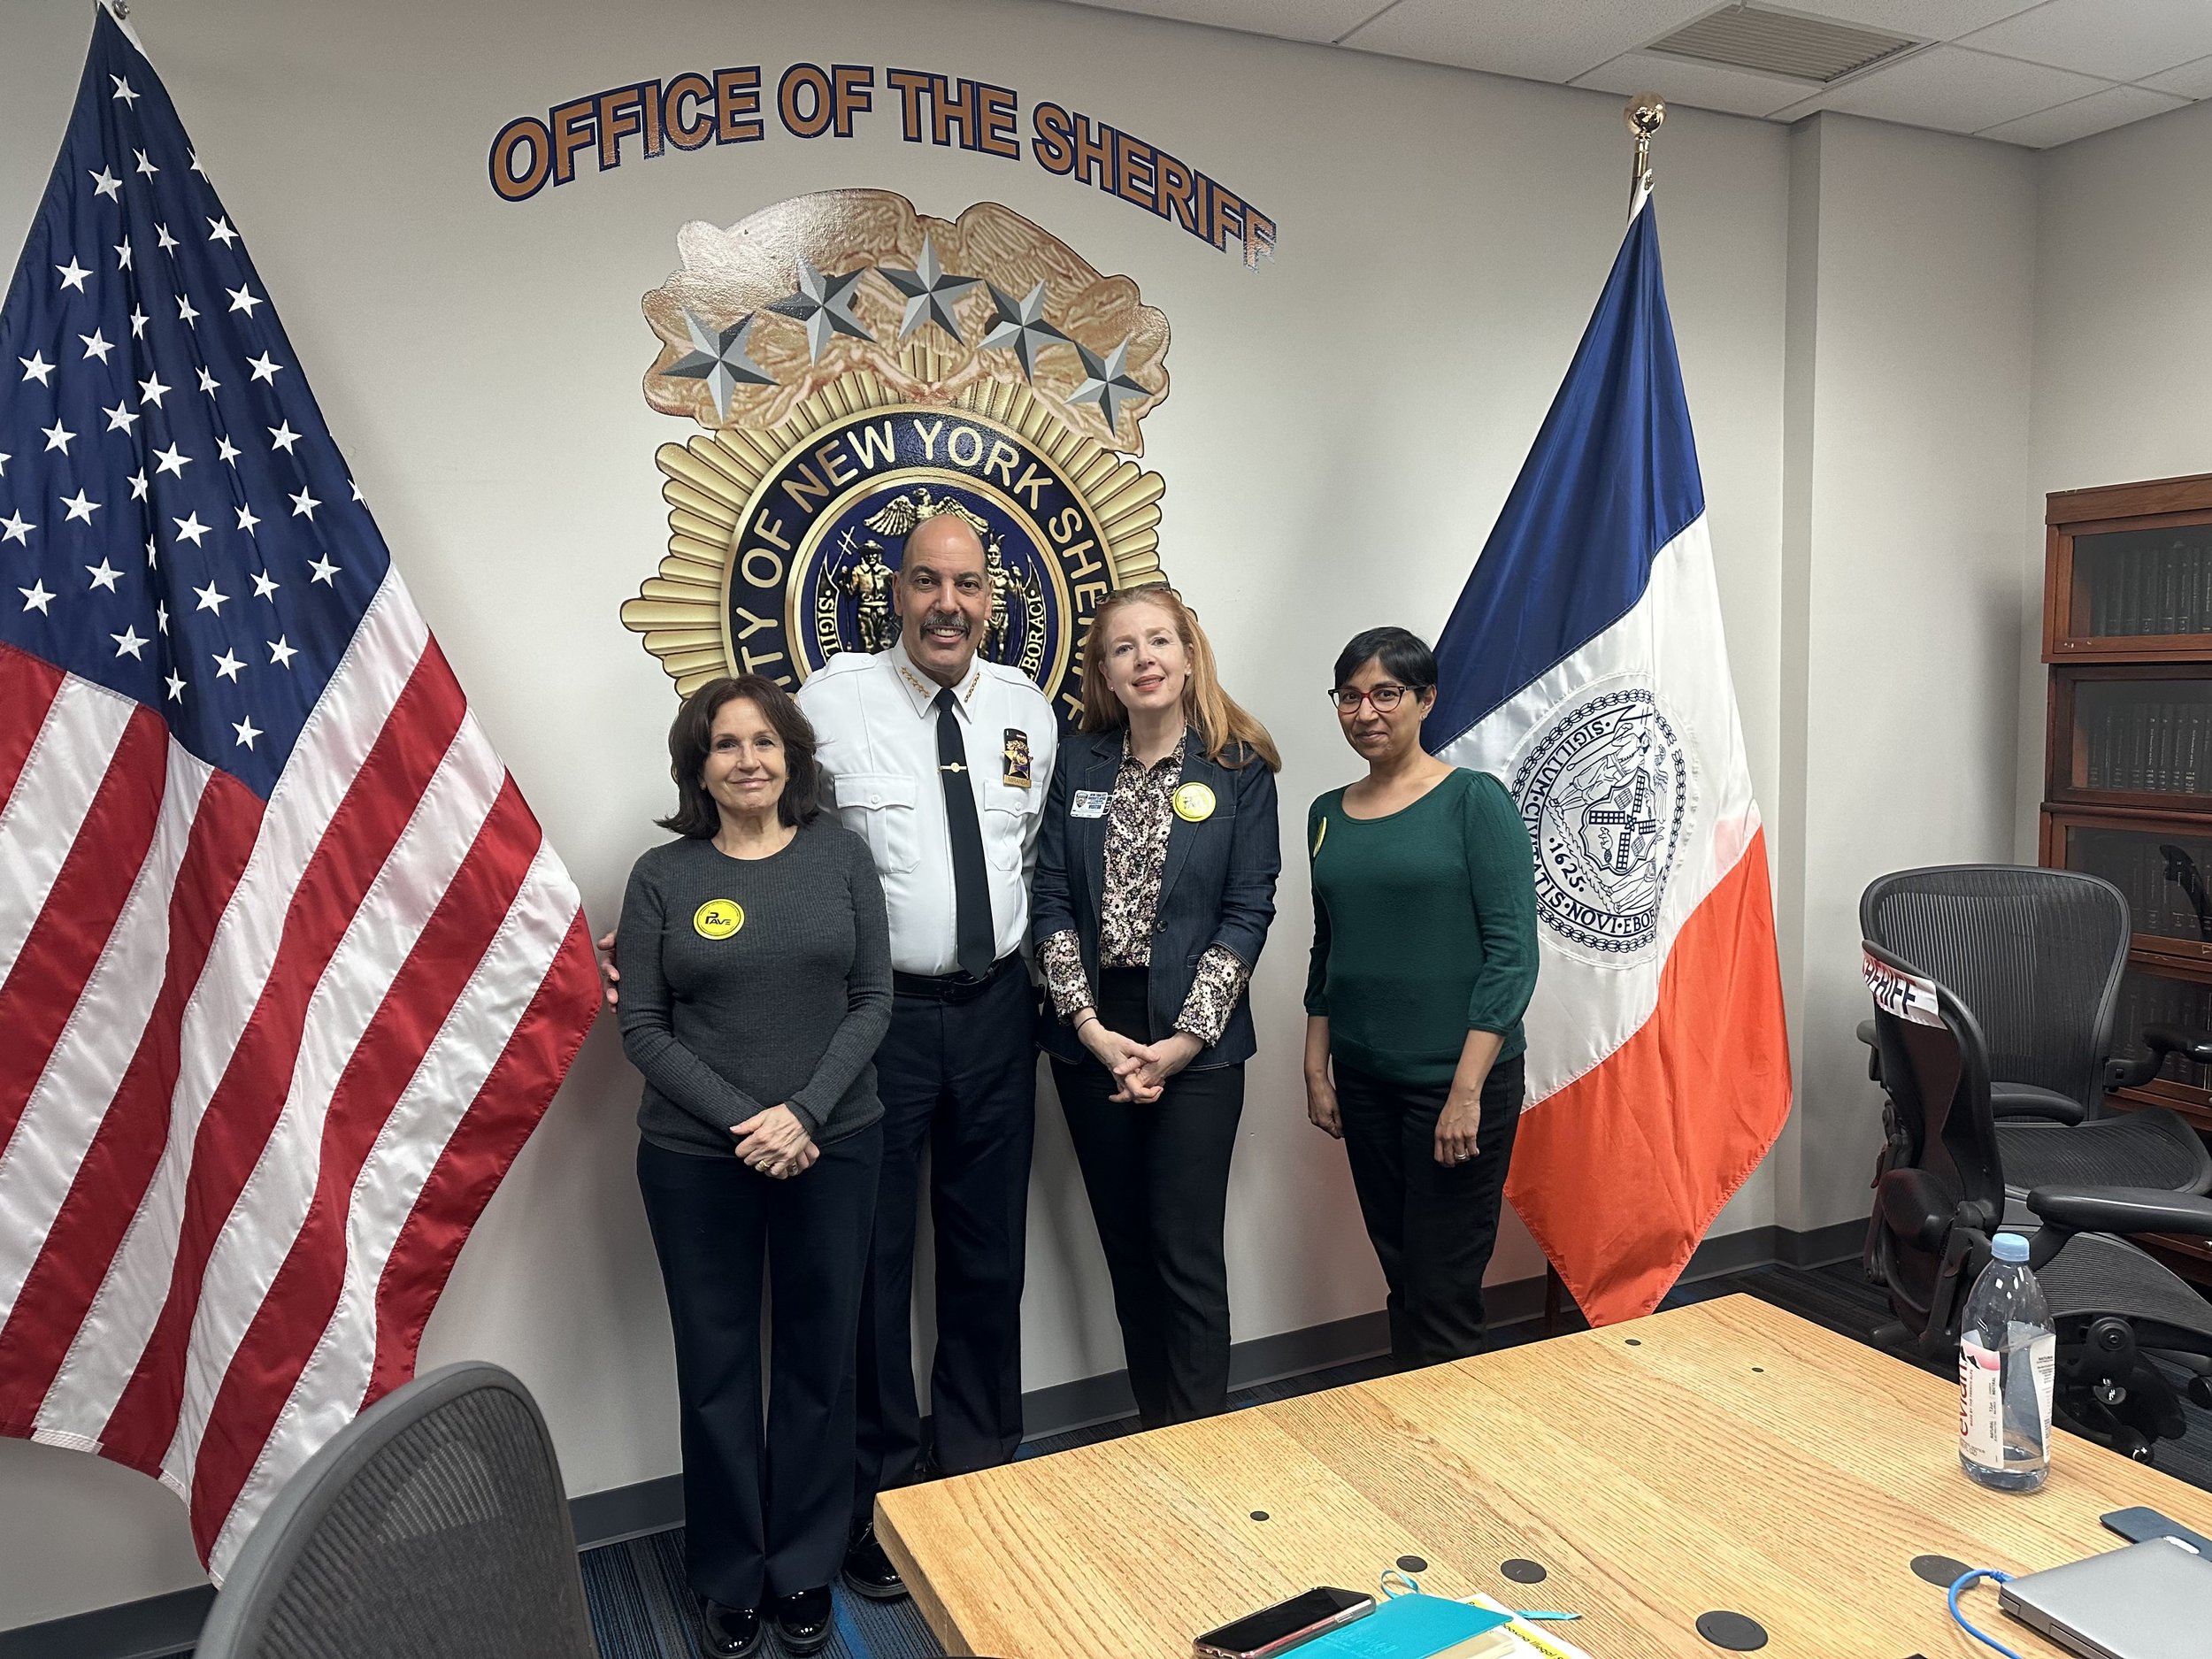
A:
432,1526
1940,1195
2038,956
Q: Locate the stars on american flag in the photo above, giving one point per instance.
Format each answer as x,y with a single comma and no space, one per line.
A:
107,464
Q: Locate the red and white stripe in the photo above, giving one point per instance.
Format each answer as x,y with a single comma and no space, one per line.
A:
266,1061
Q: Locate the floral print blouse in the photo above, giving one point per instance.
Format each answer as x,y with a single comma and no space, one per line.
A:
1139,813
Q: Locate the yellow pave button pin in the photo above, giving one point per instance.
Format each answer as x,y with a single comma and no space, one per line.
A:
718,918
1195,803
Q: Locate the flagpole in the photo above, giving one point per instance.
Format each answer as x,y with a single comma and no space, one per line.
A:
1644,113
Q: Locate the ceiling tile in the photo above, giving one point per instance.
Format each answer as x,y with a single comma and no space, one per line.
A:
2121,39
1923,19
1288,19
1700,86
1955,90
1512,37
2191,80
2115,106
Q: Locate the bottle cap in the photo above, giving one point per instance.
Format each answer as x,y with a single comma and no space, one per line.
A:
2009,1247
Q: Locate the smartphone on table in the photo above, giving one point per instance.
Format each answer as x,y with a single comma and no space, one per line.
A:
1277,1629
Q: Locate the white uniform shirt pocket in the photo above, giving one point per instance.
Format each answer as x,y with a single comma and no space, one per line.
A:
1005,822
880,805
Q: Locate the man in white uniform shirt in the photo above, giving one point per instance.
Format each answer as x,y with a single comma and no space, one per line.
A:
942,761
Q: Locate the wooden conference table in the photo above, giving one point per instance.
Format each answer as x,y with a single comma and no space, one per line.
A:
1726,1456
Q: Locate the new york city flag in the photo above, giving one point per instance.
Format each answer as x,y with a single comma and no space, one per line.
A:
1584,665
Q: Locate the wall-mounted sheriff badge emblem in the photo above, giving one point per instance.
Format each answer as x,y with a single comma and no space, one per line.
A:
859,369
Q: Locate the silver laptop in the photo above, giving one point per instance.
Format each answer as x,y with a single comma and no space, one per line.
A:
2150,1600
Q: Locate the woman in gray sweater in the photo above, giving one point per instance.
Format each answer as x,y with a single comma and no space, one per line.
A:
756,986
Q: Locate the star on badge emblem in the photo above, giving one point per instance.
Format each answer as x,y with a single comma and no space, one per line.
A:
1020,328
1107,384
931,292
825,305
719,357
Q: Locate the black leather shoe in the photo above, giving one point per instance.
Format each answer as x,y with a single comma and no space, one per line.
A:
733,1633
802,1621
868,1571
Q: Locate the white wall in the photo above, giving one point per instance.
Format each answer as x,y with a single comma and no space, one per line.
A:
1343,427
1908,575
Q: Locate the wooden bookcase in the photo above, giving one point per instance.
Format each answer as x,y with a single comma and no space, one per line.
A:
2127,631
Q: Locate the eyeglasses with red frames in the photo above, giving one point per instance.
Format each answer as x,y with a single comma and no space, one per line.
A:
1386,696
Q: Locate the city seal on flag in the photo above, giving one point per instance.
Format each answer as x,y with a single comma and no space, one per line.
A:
1604,788
860,369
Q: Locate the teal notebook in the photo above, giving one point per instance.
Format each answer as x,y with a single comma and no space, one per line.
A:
1404,1627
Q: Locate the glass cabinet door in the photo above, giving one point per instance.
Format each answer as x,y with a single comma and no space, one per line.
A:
2154,999
2166,875
2136,736
2133,584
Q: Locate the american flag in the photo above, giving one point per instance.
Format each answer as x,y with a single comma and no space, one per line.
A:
287,971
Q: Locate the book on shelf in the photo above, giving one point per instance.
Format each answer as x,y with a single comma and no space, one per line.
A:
2147,590
2150,747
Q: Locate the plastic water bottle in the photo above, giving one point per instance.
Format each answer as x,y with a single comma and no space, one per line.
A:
2008,1358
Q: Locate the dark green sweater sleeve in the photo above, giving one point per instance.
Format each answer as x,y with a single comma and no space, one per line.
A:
1317,967
867,995
1501,870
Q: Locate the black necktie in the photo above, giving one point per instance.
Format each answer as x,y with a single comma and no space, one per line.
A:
975,938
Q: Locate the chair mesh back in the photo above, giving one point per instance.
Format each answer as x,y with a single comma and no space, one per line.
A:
1941,1170
446,1534
2036,954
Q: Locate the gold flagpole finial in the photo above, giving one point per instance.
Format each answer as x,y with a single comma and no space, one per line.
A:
1644,114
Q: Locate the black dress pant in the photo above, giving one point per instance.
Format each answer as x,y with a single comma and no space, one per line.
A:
1158,1180
764,1513
1433,1225
957,1075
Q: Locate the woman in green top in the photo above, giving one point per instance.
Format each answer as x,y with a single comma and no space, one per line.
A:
1424,960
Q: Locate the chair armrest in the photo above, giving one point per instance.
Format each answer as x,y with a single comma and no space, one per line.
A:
2194,1046
2122,1210
1873,1051
2024,1100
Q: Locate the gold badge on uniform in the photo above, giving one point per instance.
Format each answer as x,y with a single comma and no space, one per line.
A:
1193,804
1017,757
718,918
